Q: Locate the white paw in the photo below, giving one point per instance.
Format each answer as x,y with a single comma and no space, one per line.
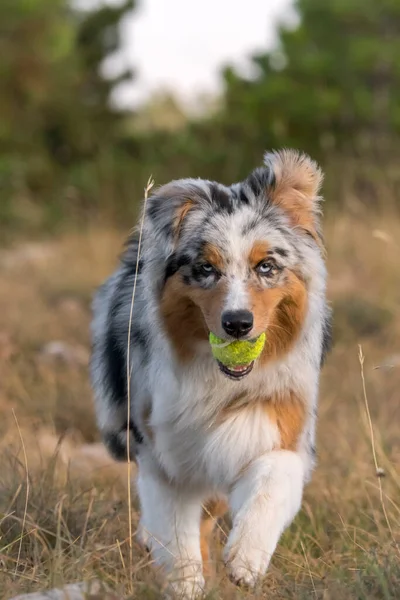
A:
186,588
246,562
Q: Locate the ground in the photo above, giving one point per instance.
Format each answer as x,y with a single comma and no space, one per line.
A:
63,504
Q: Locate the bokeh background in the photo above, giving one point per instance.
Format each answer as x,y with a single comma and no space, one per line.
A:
95,98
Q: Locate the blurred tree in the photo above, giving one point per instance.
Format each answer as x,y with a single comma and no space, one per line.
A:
332,84
161,113
54,106
330,87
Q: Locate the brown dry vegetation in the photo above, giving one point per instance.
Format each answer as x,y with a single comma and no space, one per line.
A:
63,503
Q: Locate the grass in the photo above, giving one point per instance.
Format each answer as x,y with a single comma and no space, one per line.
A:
64,513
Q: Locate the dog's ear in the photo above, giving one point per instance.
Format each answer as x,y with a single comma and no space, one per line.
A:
293,181
168,208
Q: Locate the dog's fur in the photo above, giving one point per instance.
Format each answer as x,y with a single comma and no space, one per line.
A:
197,435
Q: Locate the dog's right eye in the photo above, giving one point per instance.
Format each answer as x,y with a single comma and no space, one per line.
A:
207,269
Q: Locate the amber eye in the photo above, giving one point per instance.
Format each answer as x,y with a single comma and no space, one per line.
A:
265,268
207,268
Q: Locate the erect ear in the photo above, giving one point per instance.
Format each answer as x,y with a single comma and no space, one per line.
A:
169,207
295,182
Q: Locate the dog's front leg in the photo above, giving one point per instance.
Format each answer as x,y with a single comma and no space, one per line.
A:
170,528
263,502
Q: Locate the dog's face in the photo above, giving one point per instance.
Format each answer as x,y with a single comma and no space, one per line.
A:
240,257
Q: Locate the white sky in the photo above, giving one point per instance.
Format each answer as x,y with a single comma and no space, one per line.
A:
181,45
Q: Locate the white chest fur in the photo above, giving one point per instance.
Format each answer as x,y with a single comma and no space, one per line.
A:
202,435
213,455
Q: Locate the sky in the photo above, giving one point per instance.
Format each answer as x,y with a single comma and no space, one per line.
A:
181,45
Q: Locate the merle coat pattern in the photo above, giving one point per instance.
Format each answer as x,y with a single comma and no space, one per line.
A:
198,431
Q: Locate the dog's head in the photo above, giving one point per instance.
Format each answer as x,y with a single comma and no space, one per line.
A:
239,260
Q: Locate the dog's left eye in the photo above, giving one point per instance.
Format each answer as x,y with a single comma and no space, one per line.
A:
207,268
265,268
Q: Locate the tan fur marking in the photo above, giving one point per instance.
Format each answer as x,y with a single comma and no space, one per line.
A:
288,413
182,318
181,215
211,303
171,190
280,312
258,252
212,255
263,304
295,172
297,183
190,313
212,510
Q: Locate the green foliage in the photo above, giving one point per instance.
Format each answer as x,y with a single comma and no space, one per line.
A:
331,87
54,112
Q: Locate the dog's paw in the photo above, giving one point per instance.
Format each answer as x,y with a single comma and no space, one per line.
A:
187,588
246,564
243,575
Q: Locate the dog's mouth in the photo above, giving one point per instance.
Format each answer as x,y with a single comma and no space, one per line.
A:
236,373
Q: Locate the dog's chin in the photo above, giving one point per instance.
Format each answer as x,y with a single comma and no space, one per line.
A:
236,373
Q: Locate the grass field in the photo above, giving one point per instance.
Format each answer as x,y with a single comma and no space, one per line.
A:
63,503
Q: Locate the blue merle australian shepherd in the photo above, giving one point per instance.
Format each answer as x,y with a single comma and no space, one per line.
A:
236,261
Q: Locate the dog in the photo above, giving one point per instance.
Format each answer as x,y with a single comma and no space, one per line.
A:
235,261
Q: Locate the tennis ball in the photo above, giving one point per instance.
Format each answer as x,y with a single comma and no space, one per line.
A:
233,354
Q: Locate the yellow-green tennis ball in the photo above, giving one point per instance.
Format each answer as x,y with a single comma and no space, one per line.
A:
234,354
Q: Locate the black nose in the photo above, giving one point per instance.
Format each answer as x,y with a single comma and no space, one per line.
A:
237,323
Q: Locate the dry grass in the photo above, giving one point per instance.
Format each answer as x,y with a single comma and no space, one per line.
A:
63,503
